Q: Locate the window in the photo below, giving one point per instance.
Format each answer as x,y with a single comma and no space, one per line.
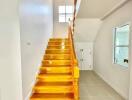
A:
65,13
121,45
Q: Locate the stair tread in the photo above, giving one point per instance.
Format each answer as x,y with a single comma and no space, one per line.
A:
57,65
54,73
56,69
40,83
55,78
52,96
53,89
57,51
59,45
56,62
60,87
54,81
58,39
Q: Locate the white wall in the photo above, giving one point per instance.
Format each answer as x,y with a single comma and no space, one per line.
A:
60,29
10,59
36,28
86,29
115,75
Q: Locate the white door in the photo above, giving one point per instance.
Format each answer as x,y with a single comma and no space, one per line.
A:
84,53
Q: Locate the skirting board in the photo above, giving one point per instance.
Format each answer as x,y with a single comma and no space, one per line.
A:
31,87
114,87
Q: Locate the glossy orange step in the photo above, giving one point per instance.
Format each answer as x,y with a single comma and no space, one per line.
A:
55,70
53,89
59,40
56,62
57,51
55,96
57,57
58,47
55,78
43,65
59,43
42,83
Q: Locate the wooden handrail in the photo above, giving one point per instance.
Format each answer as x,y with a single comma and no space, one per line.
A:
74,64
74,61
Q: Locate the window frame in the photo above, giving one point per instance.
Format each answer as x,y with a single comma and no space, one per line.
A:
115,46
65,14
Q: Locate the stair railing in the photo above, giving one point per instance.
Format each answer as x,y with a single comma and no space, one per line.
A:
74,61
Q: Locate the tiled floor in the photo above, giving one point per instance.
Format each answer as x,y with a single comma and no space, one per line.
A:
92,87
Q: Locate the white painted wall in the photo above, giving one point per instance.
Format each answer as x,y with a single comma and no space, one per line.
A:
10,59
86,29
60,29
114,75
36,18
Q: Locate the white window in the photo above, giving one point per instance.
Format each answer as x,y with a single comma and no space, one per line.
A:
121,45
65,13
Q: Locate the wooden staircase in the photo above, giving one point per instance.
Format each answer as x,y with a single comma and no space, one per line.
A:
59,73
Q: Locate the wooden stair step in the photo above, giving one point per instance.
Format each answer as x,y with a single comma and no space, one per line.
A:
53,89
43,65
54,96
65,98
55,78
56,62
58,47
58,43
55,70
57,57
43,73
57,51
42,83
58,39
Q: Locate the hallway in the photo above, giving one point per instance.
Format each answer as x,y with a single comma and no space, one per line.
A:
92,87
65,50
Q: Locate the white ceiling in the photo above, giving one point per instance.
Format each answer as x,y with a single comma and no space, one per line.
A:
95,8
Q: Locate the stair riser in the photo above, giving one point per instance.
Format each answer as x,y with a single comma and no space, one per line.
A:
52,98
55,62
58,47
51,89
58,40
40,83
57,57
57,51
44,91
55,96
54,79
58,43
55,70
